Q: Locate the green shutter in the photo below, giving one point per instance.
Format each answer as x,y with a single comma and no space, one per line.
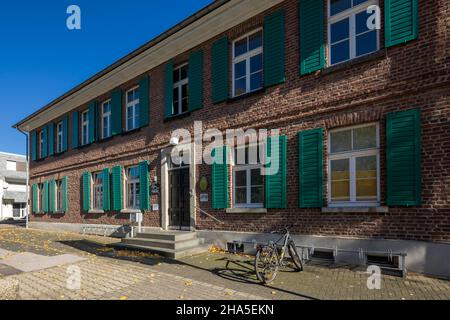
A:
52,195
196,80
403,144
220,181
276,181
168,90
117,188
35,198
51,139
93,122
33,146
45,198
310,161
45,147
65,195
312,43
401,21
65,128
274,60
86,191
144,101
75,130
106,190
116,112
144,182
220,70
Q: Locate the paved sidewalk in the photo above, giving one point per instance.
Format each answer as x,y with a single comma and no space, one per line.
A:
109,275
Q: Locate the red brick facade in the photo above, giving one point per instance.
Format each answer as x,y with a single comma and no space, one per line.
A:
413,75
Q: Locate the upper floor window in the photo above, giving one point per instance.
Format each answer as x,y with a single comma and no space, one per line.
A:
11,165
349,35
41,144
106,119
133,109
59,137
248,63
98,191
133,192
180,90
248,182
85,128
354,165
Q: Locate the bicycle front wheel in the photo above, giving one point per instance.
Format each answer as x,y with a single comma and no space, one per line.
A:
295,257
266,265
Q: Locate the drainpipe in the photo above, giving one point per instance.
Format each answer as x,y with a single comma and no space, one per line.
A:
27,206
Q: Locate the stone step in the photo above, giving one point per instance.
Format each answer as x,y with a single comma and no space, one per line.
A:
169,253
167,235
164,244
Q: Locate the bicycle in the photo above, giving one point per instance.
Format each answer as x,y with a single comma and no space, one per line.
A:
270,258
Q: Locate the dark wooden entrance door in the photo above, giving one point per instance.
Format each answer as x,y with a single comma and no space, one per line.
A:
179,199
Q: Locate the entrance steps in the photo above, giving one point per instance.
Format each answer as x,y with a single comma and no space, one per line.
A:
171,244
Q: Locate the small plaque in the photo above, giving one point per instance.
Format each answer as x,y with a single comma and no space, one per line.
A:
204,197
155,207
155,188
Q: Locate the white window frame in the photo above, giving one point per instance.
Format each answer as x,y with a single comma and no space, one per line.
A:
248,168
351,14
97,189
133,105
247,56
134,183
59,137
59,195
85,125
107,116
352,155
41,144
178,110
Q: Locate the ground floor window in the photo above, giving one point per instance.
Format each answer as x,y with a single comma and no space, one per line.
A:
59,195
133,191
41,197
354,163
248,182
98,191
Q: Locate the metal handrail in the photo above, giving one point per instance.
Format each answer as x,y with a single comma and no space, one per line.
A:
209,215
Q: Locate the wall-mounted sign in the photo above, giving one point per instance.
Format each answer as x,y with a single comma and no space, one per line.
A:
204,197
203,184
155,188
155,207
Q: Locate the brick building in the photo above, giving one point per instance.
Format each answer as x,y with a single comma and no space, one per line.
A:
364,115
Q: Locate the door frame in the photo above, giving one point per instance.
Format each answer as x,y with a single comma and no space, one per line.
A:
165,168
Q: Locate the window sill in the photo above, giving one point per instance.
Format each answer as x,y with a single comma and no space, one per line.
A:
124,132
345,65
247,210
178,116
130,211
96,212
355,210
246,95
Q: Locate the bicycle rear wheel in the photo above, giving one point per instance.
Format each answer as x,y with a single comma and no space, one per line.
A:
266,265
295,257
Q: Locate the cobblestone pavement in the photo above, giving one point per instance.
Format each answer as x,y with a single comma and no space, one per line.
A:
113,275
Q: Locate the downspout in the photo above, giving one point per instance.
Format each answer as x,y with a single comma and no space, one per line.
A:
27,210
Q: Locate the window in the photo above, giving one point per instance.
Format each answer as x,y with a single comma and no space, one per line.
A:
349,36
133,109
59,195
248,64
248,183
59,137
354,164
98,191
106,119
84,128
133,198
11,165
41,144
41,197
180,90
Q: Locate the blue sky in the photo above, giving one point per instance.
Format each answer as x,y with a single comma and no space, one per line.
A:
40,59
